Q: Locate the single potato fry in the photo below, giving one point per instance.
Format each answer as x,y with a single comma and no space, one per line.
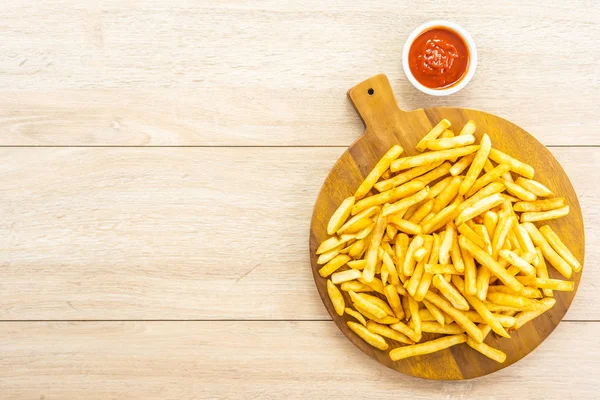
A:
447,195
525,316
483,205
435,174
407,331
518,262
450,293
409,261
421,212
450,143
324,258
367,305
404,177
373,339
544,215
388,332
382,165
394,301
427,277
504,320
488,351
433,134
501,234
400,248
391,268
460,166
477,164
510,300
357,264
412,284
456,256
377,302
447,134
356,315
470,273
519,192
340,215
482,232
406,202
351,225
334,265
468,128
355,286
490,220
439,188
528,292
333,242
440,219
435,312
542,271
492,188
372,255
357,249
558,246
553,258
345,276
436,327
441,269
387,320
540,205
472,235
405,226
415,317
534,187
554,284
516,166
337,300
389,196
427,347
431,157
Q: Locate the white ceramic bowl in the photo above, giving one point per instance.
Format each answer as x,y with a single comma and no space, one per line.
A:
472,58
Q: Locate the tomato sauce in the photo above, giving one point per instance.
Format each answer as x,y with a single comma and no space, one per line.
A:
438,58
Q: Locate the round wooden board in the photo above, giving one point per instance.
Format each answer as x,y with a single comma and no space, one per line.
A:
387,125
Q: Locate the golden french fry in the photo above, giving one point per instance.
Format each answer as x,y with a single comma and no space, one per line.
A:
406,202
355,286
377,302
504,320
527,291
357,264
460,166
468,128
492,188
450,143
504,226
400,248
372,255
375,284
426,315
435,312
404,177
496,308
517,261
450,293
340,215
534,187
523,317
447,134
542,271
470,273
446,245
428,218
415,317
356,315
488,262
358,248
554,284
490,220
481,309
427,277
477,164
440,219
389,196
421,212
447,195
388,332
558,246
483,233
391,232
334,265
431,157
439,187
488,178
482,282
367,305
515,165
483,205
544,215
433,134
456,256
488,351
525,243
427,347
441,269
409,260
436,327
382,165
420,254
488,166
337,300
333,242
373,339
354,223
391,268
407,331
324,258
412,284
510,300
472,235
540,205
394,300
435,174
384,274
405,226
345,276
387,320
553,258
404,301
519,192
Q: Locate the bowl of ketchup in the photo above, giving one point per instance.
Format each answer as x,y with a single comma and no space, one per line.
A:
439,58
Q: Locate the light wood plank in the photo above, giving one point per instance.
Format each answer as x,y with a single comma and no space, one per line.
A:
232,360
276,73
186,233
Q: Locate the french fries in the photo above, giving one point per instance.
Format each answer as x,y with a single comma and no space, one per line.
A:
430,250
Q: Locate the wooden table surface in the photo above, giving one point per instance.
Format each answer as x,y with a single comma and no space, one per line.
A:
159,162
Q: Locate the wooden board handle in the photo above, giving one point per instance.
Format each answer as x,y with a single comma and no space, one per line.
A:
375,102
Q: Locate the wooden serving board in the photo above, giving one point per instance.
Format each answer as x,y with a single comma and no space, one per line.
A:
387,125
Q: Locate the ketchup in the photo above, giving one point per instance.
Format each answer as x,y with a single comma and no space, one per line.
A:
438,58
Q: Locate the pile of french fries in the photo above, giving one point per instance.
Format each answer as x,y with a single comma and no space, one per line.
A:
444,242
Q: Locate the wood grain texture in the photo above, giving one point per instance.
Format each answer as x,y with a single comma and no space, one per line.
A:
270,73
174,233
387,125
259,360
